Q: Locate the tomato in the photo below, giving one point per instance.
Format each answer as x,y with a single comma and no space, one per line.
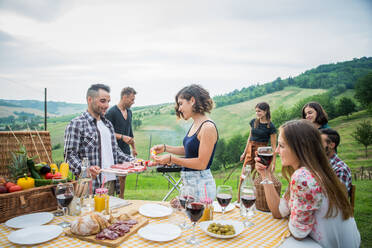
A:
9,184
49,175
57,175
15,188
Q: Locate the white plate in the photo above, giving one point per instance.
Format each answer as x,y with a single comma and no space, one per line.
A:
217,208
160,232
35,219
35,234
154,210
238,226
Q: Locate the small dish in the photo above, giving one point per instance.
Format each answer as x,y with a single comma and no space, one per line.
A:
160,232
35,234
154,210
218,209
238,226
27,220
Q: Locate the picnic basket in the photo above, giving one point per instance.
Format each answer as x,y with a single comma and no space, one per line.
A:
32,200
261,203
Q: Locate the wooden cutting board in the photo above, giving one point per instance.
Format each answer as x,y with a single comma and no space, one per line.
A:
116,242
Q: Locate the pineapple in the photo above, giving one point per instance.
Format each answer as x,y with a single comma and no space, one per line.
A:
18,166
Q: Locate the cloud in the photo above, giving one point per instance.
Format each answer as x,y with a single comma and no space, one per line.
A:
159,46
40,10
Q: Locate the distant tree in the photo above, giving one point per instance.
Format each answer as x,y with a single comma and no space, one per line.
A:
136,123
345,106
280,115
221,154
363,134
363,90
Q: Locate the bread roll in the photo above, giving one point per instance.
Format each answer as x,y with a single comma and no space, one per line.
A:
85,225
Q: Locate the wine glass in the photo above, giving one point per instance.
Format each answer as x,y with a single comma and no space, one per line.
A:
248,198
266,155
194,210
185,193
224,196
64,195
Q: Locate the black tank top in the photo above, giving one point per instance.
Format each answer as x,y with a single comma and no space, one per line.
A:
191,145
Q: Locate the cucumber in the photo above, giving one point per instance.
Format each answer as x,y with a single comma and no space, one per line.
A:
31,168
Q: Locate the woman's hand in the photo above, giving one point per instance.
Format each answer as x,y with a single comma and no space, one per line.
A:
242,157
261,168
158,149
163,159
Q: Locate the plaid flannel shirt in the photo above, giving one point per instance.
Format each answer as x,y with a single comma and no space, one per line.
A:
82,139
342,171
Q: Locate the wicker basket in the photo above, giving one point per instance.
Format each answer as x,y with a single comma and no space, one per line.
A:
31,200
261,203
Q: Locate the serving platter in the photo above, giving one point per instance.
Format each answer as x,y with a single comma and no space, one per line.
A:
111,243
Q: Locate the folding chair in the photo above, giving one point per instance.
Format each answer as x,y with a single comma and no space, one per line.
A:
166,170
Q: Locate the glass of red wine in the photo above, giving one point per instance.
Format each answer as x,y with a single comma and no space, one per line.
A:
248,198
224,196
194,210
266,155
185,193
64,195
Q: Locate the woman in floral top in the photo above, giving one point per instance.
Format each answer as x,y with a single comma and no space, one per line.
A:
315,201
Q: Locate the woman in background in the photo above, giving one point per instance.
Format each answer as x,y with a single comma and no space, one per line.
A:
199,144
315,113
262,130
316,203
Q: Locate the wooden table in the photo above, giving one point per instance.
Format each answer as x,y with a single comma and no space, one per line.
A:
267,232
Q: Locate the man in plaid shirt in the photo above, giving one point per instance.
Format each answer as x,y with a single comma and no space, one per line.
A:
331,139
92,136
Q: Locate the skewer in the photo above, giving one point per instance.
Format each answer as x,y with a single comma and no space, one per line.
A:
34,143
42,143
14,134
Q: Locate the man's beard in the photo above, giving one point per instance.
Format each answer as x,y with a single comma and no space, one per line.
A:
327,150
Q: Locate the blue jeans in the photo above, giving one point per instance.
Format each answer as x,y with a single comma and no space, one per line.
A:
197,179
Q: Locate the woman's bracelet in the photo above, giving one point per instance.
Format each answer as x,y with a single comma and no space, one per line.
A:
165,147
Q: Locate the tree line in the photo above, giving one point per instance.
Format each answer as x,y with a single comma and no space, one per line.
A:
335,77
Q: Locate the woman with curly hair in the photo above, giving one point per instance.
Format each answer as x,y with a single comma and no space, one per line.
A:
315,201
199,145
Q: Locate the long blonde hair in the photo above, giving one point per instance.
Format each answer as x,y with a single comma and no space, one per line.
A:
305,141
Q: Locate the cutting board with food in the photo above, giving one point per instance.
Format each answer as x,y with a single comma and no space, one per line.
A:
110,230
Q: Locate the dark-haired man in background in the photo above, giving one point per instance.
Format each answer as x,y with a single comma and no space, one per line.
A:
120,116
91,135
331,140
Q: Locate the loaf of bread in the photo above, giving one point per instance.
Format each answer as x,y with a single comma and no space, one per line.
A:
89,224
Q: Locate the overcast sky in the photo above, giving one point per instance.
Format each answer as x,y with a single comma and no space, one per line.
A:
160,46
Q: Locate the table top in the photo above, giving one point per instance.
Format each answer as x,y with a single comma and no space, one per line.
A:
267,232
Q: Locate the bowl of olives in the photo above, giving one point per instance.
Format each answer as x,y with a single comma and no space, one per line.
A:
223,229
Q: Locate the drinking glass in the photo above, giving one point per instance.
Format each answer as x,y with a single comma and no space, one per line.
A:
185,193
224,196
194,210
266,155
64,195
248,198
